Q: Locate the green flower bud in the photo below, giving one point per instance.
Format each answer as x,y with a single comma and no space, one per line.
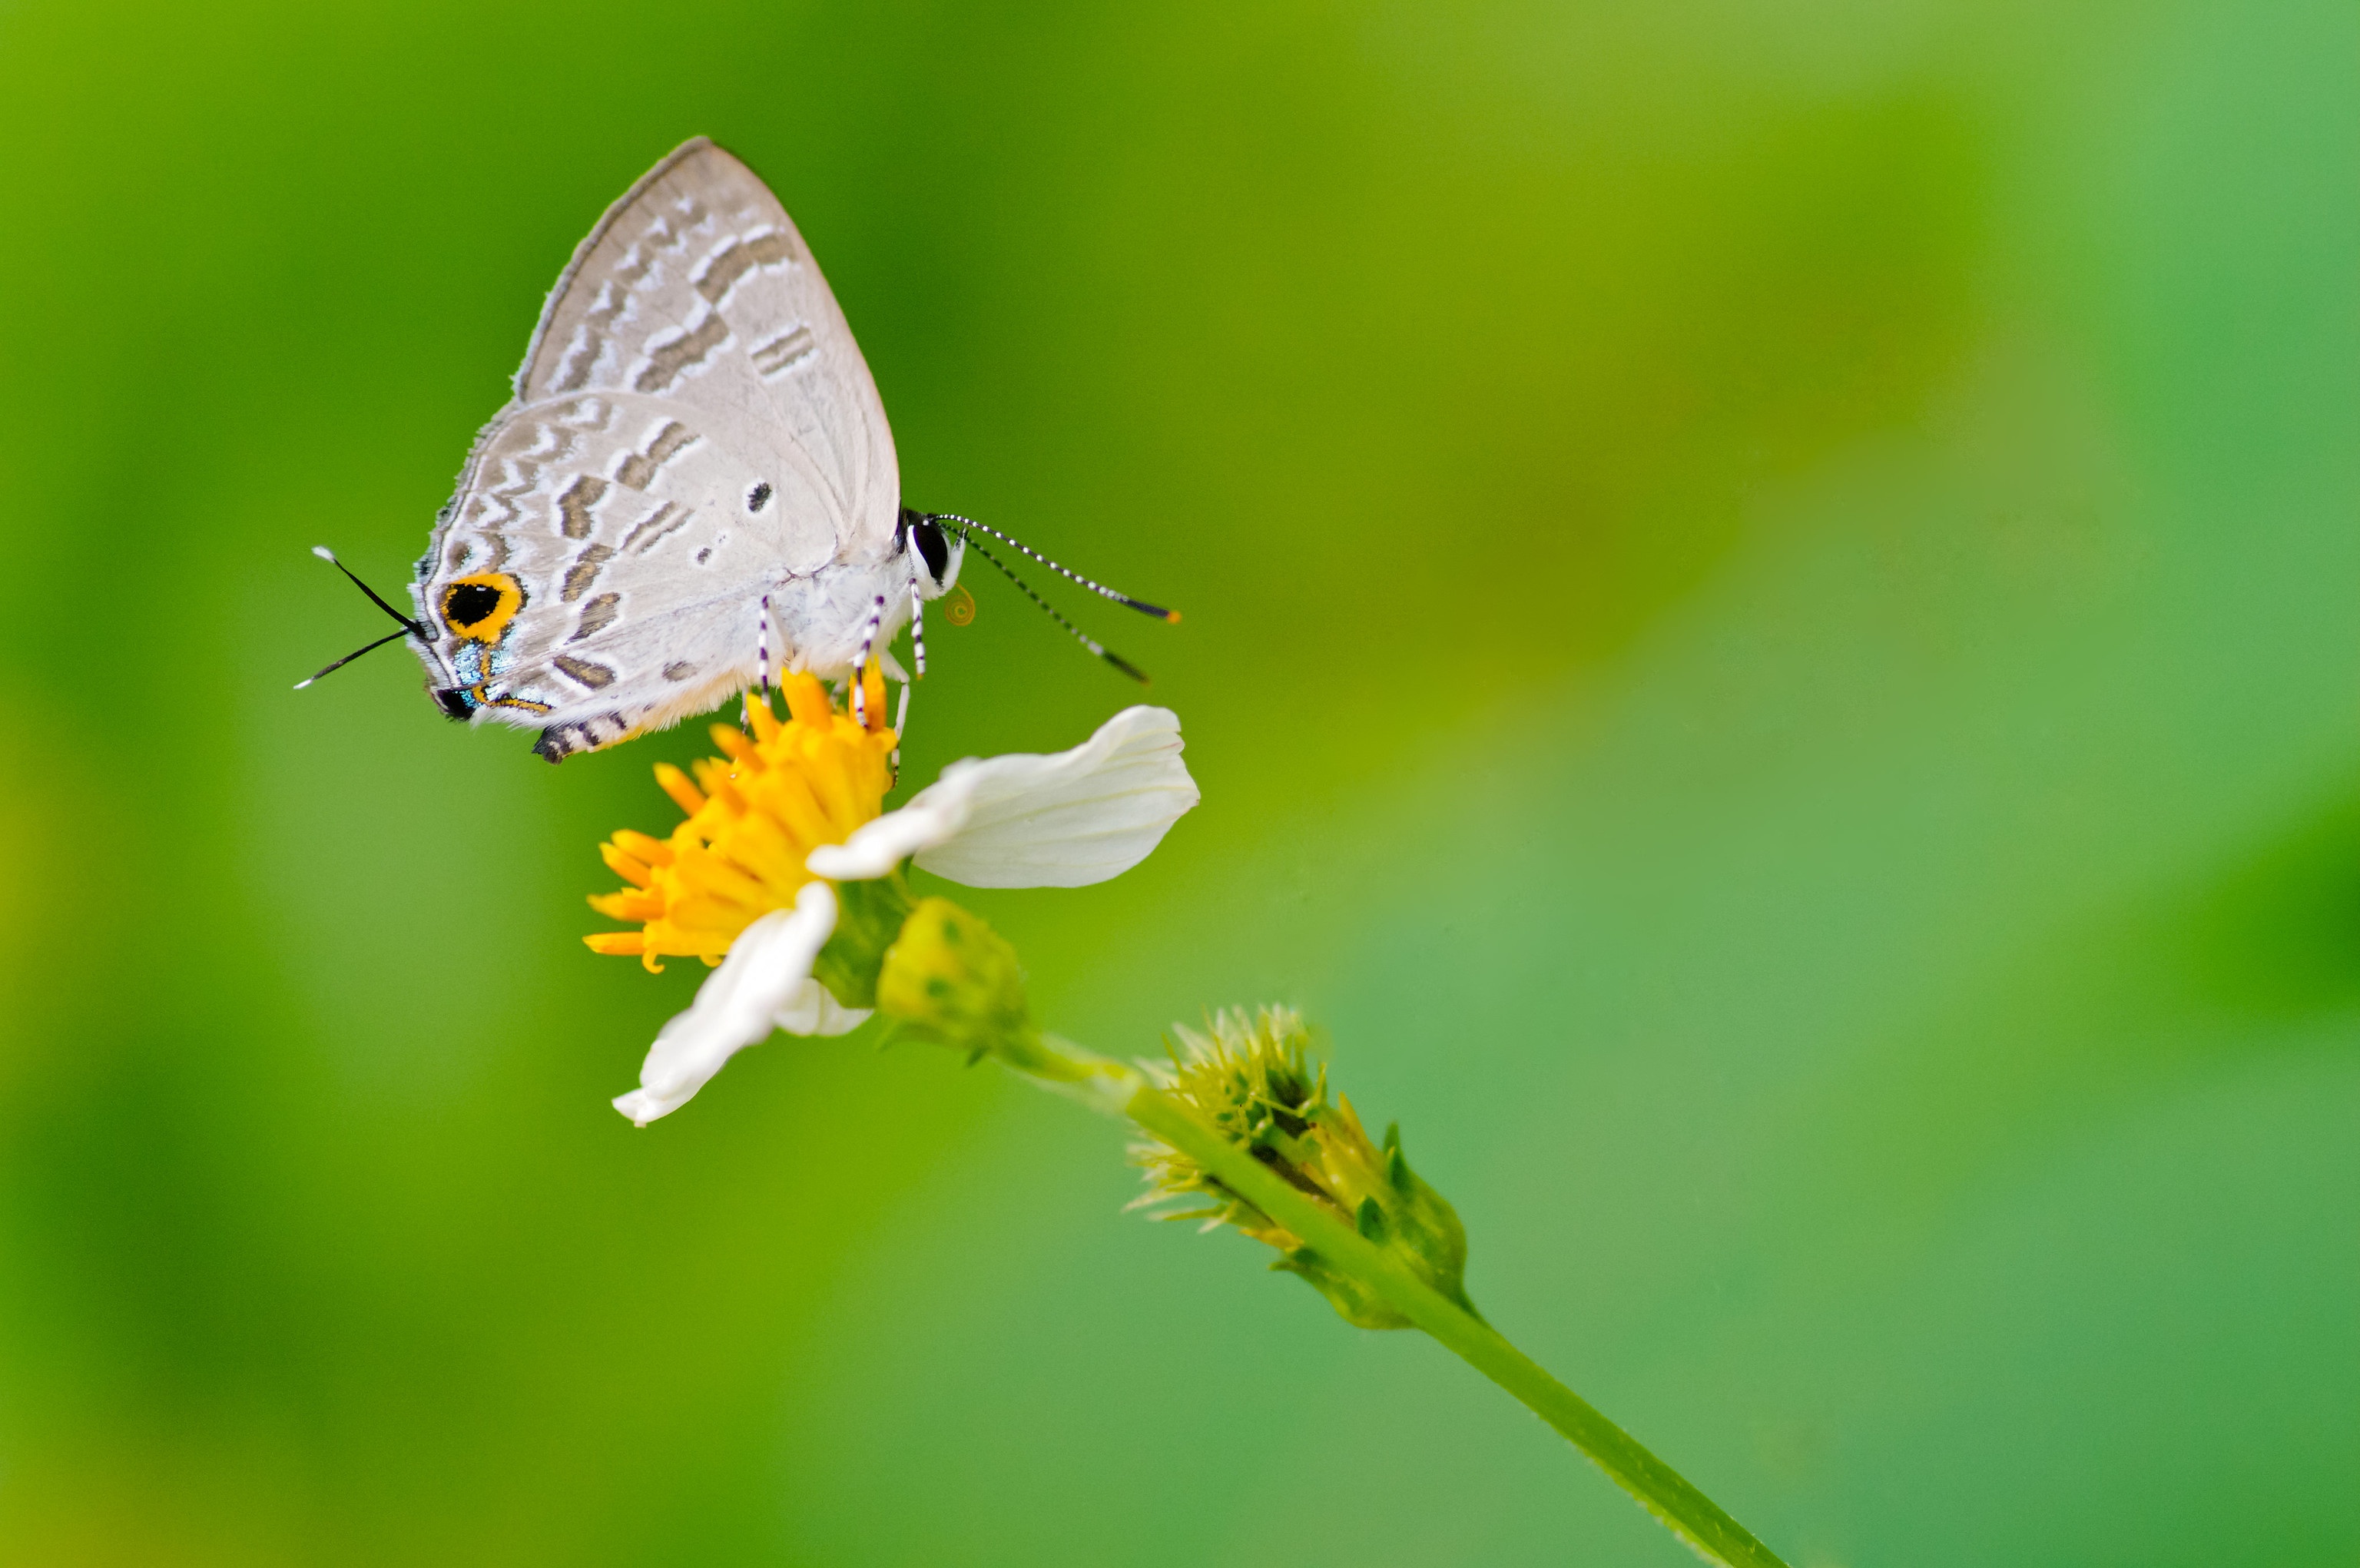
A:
950,979
1255,1081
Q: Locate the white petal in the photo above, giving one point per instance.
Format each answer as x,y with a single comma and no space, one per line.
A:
813,1010
1072,819
876,847
739,1004
1067,820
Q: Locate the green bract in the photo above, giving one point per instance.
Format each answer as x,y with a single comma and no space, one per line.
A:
1254,1080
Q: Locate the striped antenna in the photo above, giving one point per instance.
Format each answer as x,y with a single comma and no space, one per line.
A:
1158,611
1084,638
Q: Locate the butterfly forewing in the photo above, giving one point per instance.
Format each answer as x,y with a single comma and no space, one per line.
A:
693,428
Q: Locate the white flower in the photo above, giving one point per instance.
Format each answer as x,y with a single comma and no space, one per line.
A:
1067,820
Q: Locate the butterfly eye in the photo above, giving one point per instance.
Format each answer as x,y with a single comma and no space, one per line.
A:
934,546
479,608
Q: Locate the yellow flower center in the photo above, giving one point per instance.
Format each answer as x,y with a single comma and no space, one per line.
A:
783,790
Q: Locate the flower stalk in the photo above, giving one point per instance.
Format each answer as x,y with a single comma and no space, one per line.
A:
1111,1087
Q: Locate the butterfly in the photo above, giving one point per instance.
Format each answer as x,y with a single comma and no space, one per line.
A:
693,484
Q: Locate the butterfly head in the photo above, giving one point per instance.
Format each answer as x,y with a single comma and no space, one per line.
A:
940,551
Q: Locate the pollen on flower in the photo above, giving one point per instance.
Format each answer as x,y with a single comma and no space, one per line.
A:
781,789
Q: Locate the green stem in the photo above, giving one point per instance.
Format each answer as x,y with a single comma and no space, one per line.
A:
1661,1490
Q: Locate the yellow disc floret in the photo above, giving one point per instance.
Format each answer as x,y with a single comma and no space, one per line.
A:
782,790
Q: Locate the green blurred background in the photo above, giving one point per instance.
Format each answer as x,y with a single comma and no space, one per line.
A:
1770,644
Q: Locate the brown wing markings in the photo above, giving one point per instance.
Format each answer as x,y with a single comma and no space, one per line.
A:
612,304
552,435
585,571
573,518
735,259
788,351
667,518
637,469
596,616
625,206
461,554
667,362
592,675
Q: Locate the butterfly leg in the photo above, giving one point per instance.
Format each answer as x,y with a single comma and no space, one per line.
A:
762,646
900,728
860,665
917,610
762,661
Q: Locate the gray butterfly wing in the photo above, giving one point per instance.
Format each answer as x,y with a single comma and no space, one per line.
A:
693,427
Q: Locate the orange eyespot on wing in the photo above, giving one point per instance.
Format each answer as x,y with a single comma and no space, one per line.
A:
480,607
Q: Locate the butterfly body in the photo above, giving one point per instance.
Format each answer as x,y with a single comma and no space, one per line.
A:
696,478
